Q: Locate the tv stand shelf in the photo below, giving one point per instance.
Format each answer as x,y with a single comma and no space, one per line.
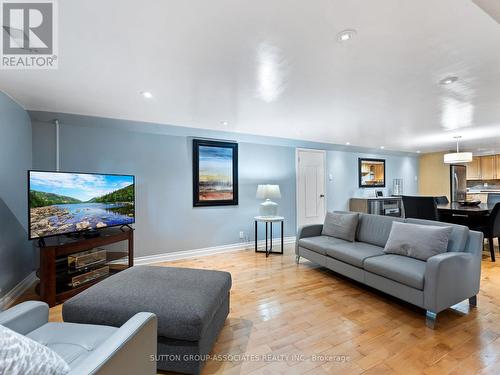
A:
57,247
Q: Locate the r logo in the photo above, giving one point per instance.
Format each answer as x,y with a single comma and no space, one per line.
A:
28,28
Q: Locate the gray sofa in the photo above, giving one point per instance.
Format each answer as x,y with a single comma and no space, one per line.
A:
89,349
434,285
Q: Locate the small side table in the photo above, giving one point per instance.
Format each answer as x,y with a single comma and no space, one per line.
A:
269,220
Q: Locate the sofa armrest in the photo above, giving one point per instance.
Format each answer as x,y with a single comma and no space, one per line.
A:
130,350
25,317
307,231
451,278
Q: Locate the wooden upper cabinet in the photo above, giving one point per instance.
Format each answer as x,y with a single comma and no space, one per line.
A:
488,167
379,172
498,166
474,169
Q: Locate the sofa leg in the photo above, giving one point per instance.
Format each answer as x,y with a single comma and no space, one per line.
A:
430,319
297,259
473,301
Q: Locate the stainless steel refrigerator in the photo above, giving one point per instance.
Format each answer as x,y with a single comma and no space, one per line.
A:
458,182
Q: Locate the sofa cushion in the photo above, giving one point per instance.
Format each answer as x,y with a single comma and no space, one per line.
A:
458,237
417,241
73,342
405,270
319,244
354,253
375,229
184,300
341,225
20,355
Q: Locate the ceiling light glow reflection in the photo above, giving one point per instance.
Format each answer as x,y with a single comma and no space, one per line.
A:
456,102
272,69
456,114
470,134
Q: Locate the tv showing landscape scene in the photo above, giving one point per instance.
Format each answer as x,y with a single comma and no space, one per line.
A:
63,203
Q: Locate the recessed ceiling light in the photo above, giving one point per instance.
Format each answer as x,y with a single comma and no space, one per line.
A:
346,35
382,147
418,151
224,123
146,94
348,143
448,80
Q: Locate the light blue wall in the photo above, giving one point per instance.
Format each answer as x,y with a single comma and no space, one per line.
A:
16,253
160,157
181,131
342,167
162,164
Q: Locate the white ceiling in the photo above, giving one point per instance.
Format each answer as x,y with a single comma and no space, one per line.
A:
275,67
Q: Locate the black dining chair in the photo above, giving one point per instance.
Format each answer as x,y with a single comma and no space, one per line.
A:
493,199
420,207
441,200
491,229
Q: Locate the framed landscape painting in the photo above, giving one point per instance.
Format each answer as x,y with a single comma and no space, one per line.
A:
215,173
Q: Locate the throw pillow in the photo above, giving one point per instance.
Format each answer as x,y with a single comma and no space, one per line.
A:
417,241
19,355
341,225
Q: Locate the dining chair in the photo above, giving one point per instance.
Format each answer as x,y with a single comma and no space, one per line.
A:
493,199
442,200
420,207
492,229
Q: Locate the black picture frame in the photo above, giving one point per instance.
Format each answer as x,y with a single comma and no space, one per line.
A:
360,173
197,202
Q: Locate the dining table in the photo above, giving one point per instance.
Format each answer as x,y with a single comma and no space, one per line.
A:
457,213
458,208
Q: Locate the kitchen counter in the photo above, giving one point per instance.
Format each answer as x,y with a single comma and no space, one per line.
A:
379,198
475,191
390,206
481,195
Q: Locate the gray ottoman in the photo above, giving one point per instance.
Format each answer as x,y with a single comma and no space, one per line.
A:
191,306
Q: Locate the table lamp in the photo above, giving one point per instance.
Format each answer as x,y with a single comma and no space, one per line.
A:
268,192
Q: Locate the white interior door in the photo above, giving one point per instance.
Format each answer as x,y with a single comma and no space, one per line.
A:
311,191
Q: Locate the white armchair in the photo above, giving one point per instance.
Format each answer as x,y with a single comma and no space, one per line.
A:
90,349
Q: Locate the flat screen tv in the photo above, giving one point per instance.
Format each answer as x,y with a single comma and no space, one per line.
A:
63,203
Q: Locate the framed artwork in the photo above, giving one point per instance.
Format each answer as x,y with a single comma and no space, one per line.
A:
215,173
371,173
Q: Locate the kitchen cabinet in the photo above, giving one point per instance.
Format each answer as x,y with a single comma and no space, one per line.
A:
498,166
488,167
484,168
483,197
378,170
474,169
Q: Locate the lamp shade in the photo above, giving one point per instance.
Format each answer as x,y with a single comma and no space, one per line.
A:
268,192
458,157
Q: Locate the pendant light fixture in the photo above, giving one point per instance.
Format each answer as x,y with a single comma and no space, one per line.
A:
458,157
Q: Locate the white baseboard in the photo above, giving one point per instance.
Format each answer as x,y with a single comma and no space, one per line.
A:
186,254
12,295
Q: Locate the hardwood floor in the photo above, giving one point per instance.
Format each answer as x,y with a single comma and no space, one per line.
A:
304,319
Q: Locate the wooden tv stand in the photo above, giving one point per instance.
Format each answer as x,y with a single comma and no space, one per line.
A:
55,249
